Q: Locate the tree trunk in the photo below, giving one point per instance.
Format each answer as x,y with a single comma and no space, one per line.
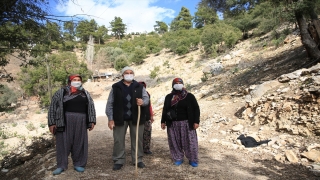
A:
307,41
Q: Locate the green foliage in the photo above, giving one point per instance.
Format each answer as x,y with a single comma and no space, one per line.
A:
34,79
30,126
205,16
138,55
118,28
154,72
217,34
14,124
121,62
153,44
182,21
7,96
161,27
107,56
69,30
2,147
86,28
182,41
166,64
204,78
100,34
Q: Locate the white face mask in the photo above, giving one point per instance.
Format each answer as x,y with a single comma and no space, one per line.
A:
76,84
178,87
128,77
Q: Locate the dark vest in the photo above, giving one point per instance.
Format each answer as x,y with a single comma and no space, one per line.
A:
118,104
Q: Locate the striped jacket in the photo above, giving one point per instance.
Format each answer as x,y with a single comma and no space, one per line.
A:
56,111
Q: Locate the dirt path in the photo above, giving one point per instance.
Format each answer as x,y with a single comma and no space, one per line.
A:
216,161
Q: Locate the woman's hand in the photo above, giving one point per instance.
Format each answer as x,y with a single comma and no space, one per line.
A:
53,129
151,119
92,126
163,126
195,126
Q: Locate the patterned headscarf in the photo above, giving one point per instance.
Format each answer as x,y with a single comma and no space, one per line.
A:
72,92
74,89
178,95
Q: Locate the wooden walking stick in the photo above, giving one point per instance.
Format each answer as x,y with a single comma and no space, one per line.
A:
137,137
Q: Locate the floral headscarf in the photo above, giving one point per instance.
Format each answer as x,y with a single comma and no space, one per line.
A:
178,95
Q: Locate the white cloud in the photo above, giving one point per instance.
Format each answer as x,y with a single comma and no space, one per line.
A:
138,15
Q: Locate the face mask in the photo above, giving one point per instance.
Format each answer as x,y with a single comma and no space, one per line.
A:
76,84
128,77
178,87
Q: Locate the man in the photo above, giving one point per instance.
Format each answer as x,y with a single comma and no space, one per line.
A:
122,111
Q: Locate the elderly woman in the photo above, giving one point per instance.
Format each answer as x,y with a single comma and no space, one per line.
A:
181,114
70,114
147,125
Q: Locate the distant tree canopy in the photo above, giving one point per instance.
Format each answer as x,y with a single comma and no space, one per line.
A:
300,12
182,21
204,16
118,28
161,27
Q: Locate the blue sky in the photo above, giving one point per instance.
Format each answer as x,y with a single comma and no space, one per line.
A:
138,15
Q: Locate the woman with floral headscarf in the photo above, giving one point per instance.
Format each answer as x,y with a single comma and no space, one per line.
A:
181,114
70,114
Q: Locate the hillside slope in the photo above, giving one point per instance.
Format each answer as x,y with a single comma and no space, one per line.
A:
226,112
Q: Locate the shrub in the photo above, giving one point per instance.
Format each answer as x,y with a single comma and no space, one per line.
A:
138,55
154,72
7,97
121,62
218,34
30,126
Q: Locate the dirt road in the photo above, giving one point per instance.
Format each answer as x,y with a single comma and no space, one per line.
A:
216,161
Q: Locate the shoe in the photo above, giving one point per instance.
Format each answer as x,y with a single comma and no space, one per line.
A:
193,164
79,169
178,163
140,165
57,171
117,167
148,152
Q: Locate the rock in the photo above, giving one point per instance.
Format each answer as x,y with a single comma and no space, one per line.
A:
237,128
279,158
314,146
312,155
291,156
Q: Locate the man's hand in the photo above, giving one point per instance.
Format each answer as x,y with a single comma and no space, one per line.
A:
111,124
139,101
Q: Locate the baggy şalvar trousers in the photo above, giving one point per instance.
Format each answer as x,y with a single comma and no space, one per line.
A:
182,141
73,140
147,136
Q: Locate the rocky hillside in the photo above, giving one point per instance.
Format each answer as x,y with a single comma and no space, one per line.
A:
267,93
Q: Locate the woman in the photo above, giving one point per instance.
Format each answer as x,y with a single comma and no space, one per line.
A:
147,126
181,114
70,114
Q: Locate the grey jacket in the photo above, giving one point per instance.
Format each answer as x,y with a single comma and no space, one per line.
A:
56,111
